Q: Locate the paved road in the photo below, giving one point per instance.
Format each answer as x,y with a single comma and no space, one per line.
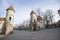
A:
48,34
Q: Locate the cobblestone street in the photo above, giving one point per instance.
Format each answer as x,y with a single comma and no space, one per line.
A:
47,34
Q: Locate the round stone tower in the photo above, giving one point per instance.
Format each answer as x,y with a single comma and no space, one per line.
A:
33,21
9,19
33,17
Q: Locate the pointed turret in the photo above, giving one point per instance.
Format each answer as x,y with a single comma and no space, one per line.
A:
10,8
32,12
33,16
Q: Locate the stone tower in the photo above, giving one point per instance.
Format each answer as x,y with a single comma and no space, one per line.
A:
9,19
33,16
33,21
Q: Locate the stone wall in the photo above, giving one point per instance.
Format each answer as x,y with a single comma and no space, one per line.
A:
1,24
9,28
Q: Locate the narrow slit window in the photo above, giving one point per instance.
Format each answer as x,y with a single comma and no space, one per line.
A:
10,18
34,20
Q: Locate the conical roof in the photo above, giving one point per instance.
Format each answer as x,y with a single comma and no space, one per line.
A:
10,8
32,12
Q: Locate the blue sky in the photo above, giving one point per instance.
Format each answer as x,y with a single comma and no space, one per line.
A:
24,7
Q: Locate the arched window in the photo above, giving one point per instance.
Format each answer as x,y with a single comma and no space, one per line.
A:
10,18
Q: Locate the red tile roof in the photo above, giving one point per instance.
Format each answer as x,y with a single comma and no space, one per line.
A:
2,19
10,8
39,18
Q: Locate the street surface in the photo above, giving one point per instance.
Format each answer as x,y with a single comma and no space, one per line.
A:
47,34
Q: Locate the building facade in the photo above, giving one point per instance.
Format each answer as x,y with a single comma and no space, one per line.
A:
1,22
36,23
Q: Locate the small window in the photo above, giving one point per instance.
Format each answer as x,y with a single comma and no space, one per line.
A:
10,18
34,20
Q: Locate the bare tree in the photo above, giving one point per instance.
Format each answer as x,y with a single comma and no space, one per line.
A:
46,19
50,15
38,11
25,23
